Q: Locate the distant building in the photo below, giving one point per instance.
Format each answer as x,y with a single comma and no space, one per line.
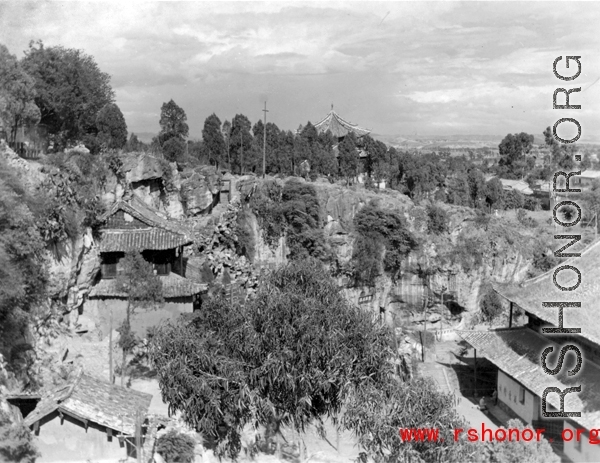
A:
88,419
339,127
584,180
517,185
134,226
516,353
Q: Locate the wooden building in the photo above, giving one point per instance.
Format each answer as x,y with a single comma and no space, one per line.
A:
134,227
516,352
88,419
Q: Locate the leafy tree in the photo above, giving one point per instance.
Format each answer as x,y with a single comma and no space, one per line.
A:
388,228
17,93
134,144
437,219
174,150
241,141
519,451
70,89
172,123
513,151
561,154
494,192
476,183
23,261
348,157
490,305
213,139
176,447
142,287
226,131
16,442
513,199
112,129
289,357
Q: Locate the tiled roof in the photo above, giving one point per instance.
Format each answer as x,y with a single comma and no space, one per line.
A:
141,211
531,293
517,352
140,239
95,400
339,127
518,185
173,286
589,174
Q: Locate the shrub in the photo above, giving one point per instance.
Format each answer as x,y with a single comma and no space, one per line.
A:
525,220
513,199
174,150
176,447
437,220
16,442
491,305
531,204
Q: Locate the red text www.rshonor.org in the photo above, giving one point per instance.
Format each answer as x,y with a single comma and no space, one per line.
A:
500,434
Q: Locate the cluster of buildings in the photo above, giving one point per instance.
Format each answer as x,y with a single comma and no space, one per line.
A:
515,353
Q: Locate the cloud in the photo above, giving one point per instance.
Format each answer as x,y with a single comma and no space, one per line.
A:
394,67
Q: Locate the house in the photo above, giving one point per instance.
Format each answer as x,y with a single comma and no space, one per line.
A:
584,180
132,226
516,353
518,185
88,419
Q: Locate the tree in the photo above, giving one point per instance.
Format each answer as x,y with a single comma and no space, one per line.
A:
513,151
133,144
437,219
288,357
561,154
172,123
17,93
16,442
490,305
174,150
241,141
112,129
176,447
70,89
142,287
517,451
214,142
494,192
476,183
348,157
226,130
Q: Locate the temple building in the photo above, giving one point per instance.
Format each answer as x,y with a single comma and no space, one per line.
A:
134,227
339,127
516,353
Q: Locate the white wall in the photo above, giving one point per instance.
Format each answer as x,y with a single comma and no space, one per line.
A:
587,453
508,393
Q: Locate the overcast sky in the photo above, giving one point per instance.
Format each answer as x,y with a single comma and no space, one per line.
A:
400,68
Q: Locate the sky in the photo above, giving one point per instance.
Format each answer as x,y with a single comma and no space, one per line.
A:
408,69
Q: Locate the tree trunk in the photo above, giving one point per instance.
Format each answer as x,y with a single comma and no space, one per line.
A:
110,349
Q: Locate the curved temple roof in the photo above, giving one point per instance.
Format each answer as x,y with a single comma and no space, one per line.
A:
339,127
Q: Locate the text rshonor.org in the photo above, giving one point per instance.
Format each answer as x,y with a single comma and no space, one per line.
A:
486,434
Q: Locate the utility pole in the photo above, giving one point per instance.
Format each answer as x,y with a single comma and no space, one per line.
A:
265,140
110,349
242,155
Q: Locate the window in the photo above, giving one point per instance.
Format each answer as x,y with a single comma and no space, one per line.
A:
522,395
162,269
110,263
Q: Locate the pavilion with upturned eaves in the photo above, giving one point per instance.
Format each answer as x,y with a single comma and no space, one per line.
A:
339,127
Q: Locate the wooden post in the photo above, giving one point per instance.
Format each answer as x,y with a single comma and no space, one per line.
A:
475,363
510,316
110,348
138,436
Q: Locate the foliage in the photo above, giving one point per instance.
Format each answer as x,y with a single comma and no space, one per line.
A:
172,123
213,139
367,254
348,157
174,150
513,199
71,90
142,287
490,305
476,183
437,219
240,142
390,229
525,220
266,203
514,162
514,451
112,129
245,244
176,447
376,413
288,357
17,93
16,442
23,260
531,204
